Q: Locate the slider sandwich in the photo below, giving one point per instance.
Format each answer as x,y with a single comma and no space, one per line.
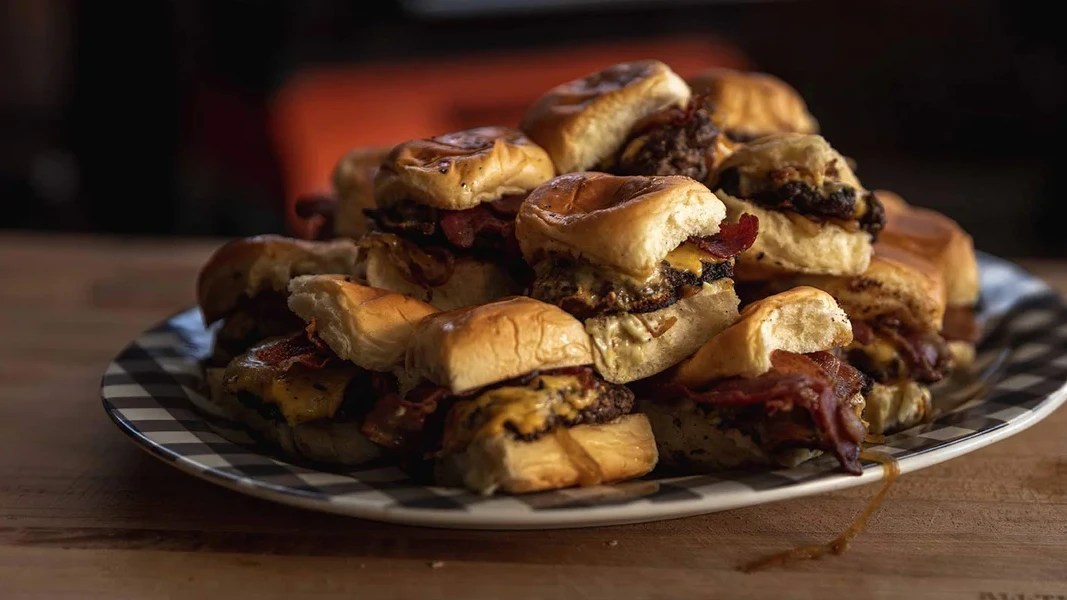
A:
747,106
645,262
767,391
525,410
815,216
445,214
941,241
896,306
633,118
313,394
244,285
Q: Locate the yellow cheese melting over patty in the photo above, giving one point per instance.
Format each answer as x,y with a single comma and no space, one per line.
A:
526,408
301,394
688,257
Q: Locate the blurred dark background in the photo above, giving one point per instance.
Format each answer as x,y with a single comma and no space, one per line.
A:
205,118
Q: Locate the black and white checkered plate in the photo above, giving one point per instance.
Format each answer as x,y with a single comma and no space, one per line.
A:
153,393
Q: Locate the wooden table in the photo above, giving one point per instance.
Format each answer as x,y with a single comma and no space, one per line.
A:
84,513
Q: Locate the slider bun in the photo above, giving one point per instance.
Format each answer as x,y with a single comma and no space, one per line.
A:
249,266
810,158
623,449
693,438
320,441
625,350
367,326
751,105
469,348
353,183
583,123
896,407
897,284
939,240
789,243
472,282
800,320
626,223
461,170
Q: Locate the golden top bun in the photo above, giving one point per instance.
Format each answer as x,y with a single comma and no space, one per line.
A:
800,320
353,183
789,243
583,123
250,266
461,170
897,284
469,348
367,326
775,159
751,105
627,223
936,238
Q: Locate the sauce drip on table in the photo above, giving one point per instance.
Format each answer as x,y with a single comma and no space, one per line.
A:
838,545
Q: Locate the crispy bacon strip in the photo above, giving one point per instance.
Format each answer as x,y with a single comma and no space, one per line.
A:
398,422
463,227
732,239
817,383
297,349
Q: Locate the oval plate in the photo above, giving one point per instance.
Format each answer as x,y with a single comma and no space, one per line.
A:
153,392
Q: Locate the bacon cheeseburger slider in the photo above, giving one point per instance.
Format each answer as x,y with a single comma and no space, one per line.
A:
244,285
941,241
632,118
445,215
814,215
527,411
768,390
748,106
645,262
310,393
896,306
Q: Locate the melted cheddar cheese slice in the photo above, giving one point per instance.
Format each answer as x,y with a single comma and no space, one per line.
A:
301,394
688,257
527,409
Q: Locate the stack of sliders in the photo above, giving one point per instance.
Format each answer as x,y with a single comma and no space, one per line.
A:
444,222
336,352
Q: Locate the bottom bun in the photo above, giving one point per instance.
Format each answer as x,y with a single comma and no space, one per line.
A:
892,408
789,243
632,346
319,441
621,449
473,282
692,439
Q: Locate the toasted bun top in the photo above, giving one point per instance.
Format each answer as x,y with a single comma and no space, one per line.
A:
897,284
250,266
468,348
584,122
353,183
365,325
460,170
752,105
800,320
939,240
772,160
627,223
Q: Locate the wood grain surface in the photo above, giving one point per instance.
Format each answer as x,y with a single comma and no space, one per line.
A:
85,514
